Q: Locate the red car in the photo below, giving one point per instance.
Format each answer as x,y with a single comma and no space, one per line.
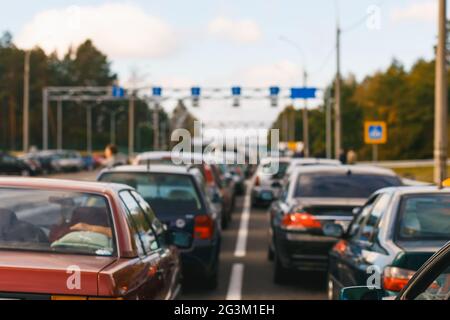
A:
81,240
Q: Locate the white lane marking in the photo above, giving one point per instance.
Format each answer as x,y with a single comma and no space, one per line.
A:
241,245
236,280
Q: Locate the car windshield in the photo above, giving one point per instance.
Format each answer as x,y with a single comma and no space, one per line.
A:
332,185
425,217
166,193
55,221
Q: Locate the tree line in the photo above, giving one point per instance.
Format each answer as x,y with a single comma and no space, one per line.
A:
84,65
404,98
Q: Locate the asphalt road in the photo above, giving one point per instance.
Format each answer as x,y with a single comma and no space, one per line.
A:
245,271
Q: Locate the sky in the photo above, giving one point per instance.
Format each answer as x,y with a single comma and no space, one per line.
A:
223,43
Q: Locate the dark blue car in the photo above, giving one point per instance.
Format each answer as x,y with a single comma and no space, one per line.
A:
178,197
392,236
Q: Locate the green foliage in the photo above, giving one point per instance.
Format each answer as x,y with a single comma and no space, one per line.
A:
402,98
82,66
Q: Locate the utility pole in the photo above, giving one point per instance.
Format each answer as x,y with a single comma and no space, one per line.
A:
337,98
305,119
112,127
328,106
59,125
45,119
26,103
89,129
131,111
441,105
156,127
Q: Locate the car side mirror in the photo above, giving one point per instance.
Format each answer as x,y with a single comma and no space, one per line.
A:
216,198
362,293
333,230
180,240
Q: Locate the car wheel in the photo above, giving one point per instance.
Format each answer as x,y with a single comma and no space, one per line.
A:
25,173
212,281
330,289
280,272
270,254
225,222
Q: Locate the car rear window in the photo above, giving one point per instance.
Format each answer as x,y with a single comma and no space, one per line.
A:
331,185
55,221
275,168
424,217
173,193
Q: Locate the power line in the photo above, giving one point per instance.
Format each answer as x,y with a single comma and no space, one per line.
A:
360,21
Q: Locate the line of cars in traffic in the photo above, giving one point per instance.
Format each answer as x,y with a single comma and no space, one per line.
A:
138,233
46,162
358,224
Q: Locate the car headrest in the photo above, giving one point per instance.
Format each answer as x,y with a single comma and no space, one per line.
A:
90,215
7,219
180,195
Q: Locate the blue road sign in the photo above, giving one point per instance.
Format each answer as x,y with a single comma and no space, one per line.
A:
196,92
236,91
303,93
157,91
118,92
274,91
375,132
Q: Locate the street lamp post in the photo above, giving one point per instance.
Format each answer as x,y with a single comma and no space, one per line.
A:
305,108
26,103
305,119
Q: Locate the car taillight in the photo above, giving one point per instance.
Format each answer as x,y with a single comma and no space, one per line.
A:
204,227
341,246
257,182
395,279
302,221
209,177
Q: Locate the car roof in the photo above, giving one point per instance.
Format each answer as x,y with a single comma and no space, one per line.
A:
157,168
154,155
358,169
299,161
406,190
68,185
280,159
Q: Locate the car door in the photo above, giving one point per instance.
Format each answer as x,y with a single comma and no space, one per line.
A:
363,251
153,281
170,263
10,165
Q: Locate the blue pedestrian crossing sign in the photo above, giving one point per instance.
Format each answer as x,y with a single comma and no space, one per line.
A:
375,132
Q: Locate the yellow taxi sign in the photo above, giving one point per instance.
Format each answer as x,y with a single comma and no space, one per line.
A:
375,132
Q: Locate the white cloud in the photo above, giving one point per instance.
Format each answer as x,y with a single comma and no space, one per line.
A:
239,31
416,12
120,30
